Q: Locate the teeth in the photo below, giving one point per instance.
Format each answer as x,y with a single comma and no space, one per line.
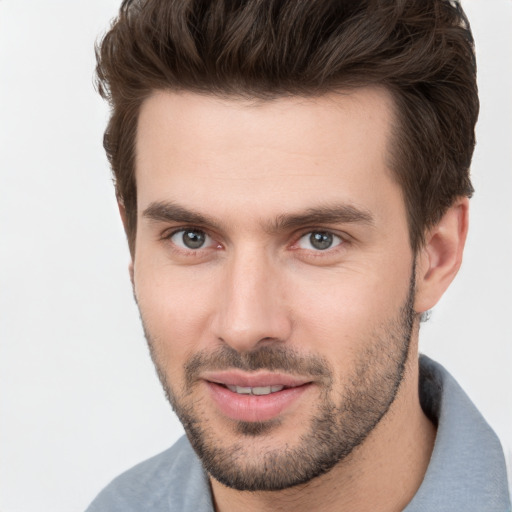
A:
241,390
266,390
262,390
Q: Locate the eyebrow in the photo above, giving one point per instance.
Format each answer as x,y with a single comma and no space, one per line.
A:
328,214
168,211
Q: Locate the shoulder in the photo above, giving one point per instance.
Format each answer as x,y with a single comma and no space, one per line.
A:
467,467
173,480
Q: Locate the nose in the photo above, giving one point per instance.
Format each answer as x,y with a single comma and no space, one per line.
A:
252,308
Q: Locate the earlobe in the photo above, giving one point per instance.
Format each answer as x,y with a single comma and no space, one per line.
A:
440,258
122,213
130,271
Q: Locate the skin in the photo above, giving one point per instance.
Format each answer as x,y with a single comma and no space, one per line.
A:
258,284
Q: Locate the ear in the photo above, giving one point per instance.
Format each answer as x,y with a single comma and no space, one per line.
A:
439,260
122,213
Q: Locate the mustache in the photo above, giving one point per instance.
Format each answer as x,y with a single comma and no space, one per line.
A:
268,357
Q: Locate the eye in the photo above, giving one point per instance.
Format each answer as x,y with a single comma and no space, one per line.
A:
319,241
191,239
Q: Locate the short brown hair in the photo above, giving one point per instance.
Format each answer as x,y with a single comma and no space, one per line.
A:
420,50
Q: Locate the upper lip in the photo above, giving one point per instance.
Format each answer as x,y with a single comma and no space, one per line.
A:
253,380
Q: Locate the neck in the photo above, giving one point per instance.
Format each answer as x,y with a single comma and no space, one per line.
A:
383,473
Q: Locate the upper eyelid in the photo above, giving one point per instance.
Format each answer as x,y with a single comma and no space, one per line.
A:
169,232
295,237
306,231
343,240
328,231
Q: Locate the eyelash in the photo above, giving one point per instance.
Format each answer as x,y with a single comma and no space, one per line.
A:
188,251
335,240
343,240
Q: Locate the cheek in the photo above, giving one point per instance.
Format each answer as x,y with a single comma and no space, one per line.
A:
175,309
339,312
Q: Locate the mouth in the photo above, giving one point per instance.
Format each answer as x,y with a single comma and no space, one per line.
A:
258,390
254,398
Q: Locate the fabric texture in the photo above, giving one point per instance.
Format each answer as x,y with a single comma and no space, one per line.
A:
466,471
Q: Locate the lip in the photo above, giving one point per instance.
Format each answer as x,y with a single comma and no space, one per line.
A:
252,380
254,408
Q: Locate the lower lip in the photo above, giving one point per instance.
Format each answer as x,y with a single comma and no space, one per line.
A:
255,408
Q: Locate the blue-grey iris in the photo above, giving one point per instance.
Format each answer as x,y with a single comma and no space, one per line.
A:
193,239
321,240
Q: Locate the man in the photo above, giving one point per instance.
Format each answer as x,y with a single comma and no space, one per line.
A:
293,178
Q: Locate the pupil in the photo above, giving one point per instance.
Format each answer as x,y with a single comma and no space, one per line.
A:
321,241
193,239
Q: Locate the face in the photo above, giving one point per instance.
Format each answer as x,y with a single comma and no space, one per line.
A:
274,276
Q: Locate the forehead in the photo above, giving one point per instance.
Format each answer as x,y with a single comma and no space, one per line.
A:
269,156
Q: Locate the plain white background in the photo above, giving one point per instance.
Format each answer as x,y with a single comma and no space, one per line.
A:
79,401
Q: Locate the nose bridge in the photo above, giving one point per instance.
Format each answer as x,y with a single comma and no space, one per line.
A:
252,308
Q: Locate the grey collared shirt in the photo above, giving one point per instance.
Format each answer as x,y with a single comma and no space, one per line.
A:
466,471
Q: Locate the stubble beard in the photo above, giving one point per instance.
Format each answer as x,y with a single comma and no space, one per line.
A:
337,428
